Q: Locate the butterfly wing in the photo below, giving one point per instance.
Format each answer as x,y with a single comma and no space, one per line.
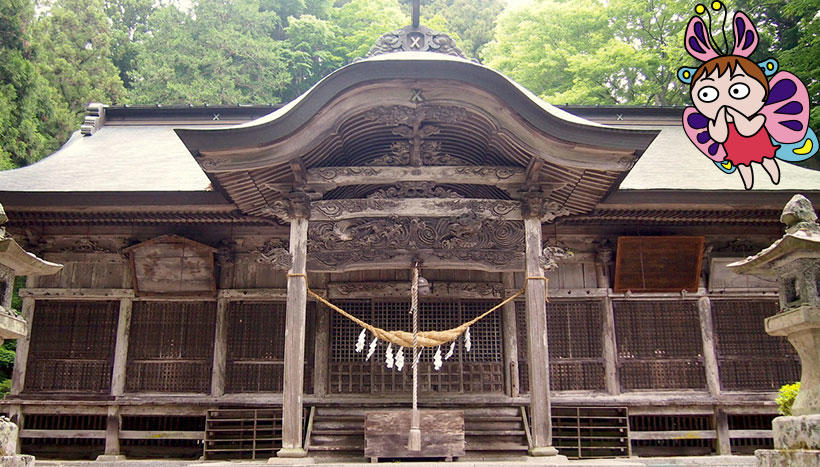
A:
787,108
696,126
799,151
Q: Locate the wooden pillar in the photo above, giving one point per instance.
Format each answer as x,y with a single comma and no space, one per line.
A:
613,385
321,350
18,375
707,334
112,436
710,365
220,363
603,258
510,339
724,445
121,347
295,342
540,412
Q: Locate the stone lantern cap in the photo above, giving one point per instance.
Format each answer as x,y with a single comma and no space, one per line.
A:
15,261
801,241
14,257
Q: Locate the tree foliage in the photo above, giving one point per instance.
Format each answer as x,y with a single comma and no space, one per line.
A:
32,120
267,51
74,39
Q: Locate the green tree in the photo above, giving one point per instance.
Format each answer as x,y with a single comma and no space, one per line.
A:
221,52
129,21
32,120
74,43
595,52
313,51
362,22
472,21
538,46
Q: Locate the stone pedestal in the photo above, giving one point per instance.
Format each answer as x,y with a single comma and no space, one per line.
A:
794,260
8,446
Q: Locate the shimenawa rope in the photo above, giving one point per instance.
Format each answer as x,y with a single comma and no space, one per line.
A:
424,338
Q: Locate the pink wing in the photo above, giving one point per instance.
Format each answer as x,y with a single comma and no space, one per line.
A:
697,43
786,108
745,35
696,126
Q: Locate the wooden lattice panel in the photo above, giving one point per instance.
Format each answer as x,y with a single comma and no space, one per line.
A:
72,347
477,371
256,347
748,358
237,433
659,345
574,338
171,347
674,445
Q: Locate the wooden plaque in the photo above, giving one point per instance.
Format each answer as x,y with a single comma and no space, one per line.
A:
658,264
386,434
172,265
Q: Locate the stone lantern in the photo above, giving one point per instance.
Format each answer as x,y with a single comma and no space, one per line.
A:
794,260
14,261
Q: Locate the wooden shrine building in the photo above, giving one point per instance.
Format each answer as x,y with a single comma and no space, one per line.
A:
181,326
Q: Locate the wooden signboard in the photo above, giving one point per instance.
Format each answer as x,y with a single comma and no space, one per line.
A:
658,264
172,265
386,434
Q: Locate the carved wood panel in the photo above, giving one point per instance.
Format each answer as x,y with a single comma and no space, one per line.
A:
172,265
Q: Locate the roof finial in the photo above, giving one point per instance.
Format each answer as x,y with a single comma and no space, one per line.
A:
416,13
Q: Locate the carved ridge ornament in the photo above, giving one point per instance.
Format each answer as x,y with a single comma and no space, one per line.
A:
415,39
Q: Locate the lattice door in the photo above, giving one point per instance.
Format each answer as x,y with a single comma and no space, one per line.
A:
575,343
477,371
659,345
171,347
748,358
72,347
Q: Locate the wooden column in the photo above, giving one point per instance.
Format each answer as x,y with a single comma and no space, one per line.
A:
295,342
121,347
724,445
540,413
613,386
707,334
220,349
112,436
510,339
602,260
710,365
321,350
18,375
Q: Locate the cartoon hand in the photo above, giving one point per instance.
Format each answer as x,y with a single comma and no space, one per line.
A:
719,130
746,126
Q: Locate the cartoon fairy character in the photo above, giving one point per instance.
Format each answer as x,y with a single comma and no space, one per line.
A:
741,116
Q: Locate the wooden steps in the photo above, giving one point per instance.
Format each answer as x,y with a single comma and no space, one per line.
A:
342,430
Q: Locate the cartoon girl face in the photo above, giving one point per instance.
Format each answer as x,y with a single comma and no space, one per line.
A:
735,88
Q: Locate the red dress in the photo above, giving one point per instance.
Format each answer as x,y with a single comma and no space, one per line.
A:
747,149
